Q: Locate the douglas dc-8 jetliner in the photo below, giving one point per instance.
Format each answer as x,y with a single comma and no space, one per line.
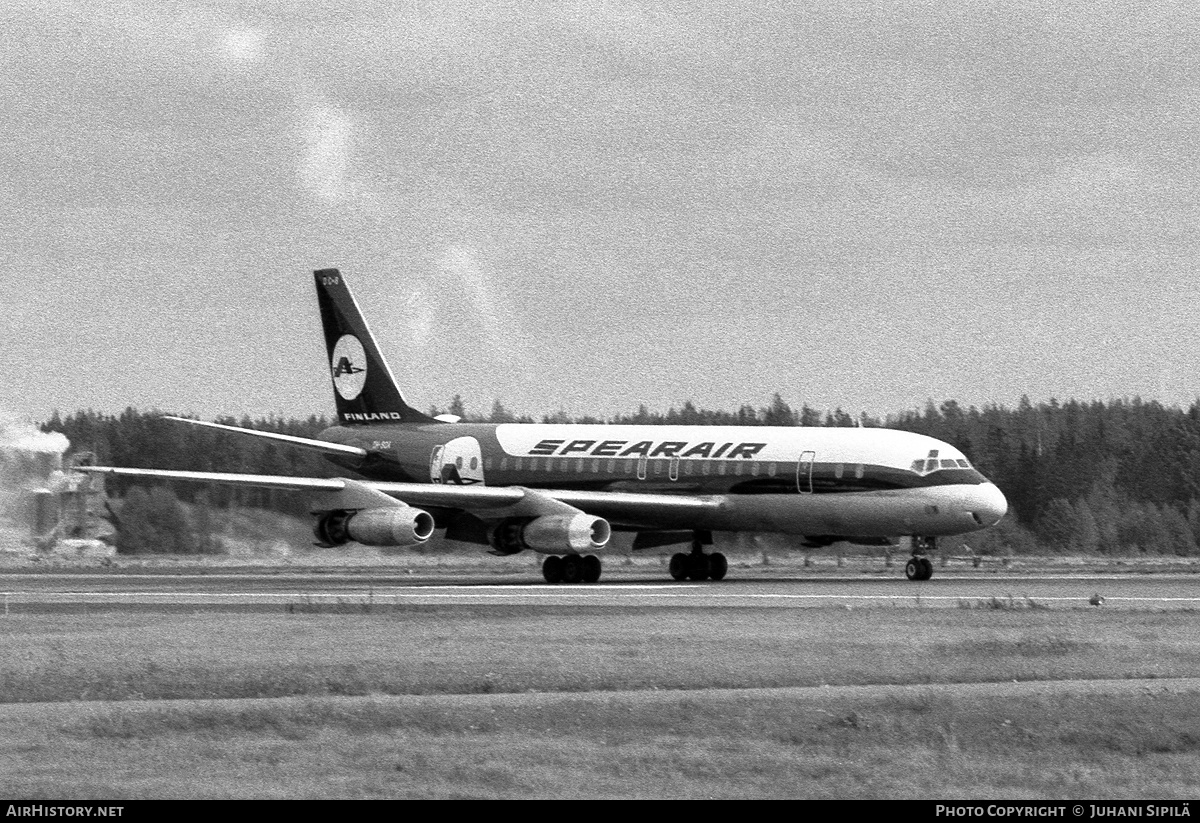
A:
562,489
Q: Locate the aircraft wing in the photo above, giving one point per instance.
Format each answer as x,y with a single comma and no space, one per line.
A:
485,502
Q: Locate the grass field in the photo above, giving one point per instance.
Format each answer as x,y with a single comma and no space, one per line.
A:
510,702
483,649
928,743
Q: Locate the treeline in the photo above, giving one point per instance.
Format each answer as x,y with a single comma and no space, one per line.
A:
1097,477
147,440
1122,476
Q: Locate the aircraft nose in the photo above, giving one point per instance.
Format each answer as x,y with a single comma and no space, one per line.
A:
988,504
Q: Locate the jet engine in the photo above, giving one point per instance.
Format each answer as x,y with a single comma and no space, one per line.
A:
393,526
552,534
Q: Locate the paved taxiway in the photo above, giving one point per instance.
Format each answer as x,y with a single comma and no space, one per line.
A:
53,592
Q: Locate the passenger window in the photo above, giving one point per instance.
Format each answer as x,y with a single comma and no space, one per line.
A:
487,464
858,471
458,462
579,465
518,466
721,467
503,464
737,468
595,465
754,469
706,468
474,462
771,469
629,466
838,471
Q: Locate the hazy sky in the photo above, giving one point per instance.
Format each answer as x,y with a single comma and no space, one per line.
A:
592,205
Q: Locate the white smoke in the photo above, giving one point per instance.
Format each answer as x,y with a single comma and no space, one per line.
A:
324,167
491,315
243,45
30,459
23,436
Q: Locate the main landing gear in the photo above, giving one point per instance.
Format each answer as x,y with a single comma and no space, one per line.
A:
697,565
571,568
919,567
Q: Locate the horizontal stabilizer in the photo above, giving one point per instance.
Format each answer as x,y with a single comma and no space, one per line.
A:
300,442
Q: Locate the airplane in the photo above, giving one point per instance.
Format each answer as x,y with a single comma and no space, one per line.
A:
561,490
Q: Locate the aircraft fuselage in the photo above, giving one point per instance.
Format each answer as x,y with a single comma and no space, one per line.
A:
862,482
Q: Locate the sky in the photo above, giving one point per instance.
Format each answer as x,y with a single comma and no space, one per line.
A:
588,206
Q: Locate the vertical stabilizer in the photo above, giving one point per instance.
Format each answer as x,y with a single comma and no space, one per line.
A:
363,386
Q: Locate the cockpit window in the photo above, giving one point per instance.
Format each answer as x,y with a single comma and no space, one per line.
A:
932,463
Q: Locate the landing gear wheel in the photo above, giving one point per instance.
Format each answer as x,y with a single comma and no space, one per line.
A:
572,568
918,568
717,566
679,566
591,568
913,570
698,567
552,569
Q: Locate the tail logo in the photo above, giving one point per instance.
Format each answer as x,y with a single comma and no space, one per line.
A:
349,365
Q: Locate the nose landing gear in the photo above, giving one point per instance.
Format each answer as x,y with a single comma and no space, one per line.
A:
919,567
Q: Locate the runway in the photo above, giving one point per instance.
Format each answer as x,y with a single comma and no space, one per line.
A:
382,588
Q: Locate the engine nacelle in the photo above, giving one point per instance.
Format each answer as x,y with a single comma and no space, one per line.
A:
393,526
558,532
553,534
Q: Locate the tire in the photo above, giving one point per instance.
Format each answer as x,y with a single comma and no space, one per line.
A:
926,568
591,568
552,569
572,568
679,566
717,566
912,569
698,567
